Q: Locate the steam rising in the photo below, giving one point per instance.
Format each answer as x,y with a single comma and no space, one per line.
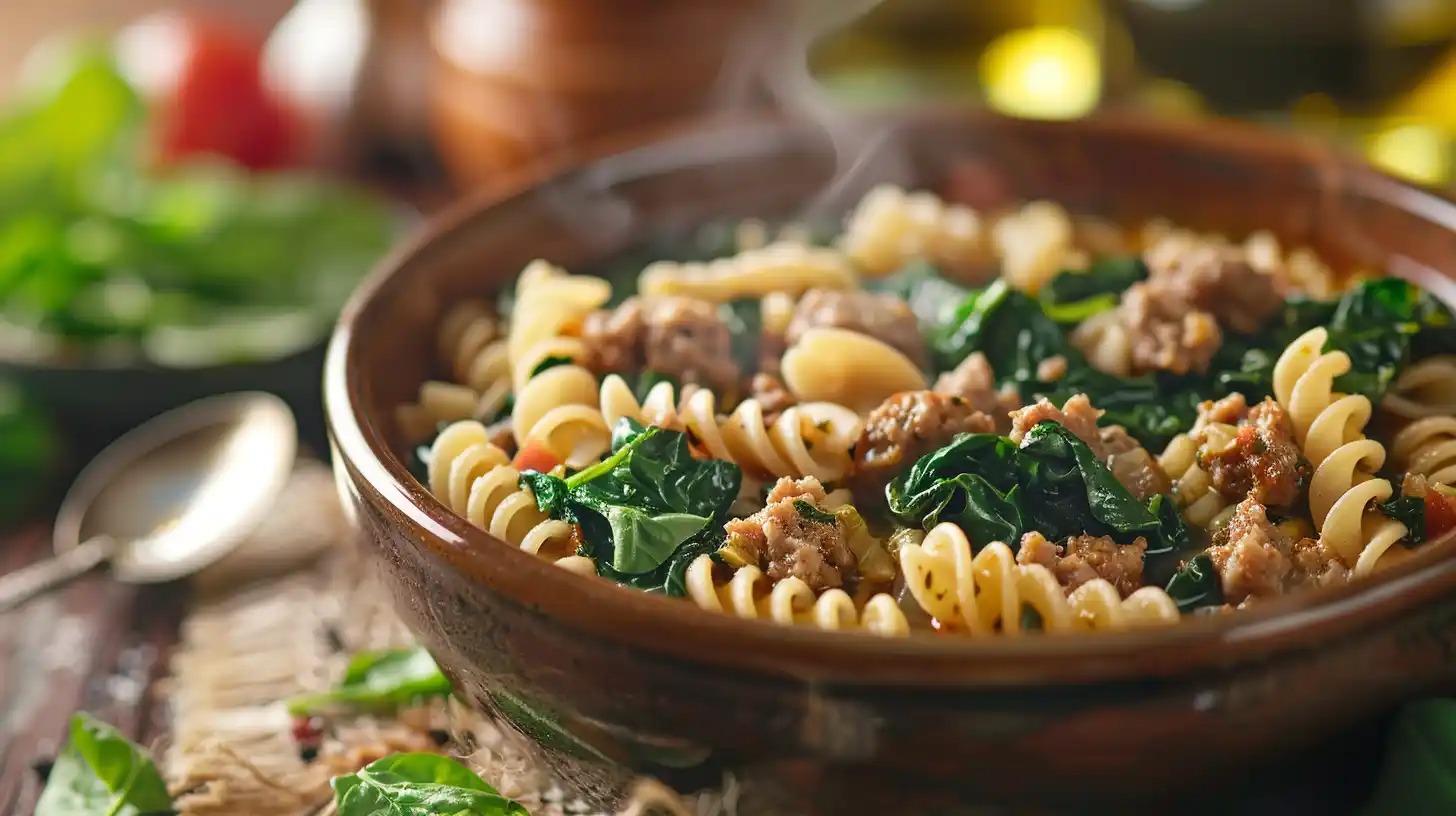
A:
768,61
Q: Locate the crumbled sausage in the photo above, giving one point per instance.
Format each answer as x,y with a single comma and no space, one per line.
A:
679,337
975,382
1052,369
1168,333
786,538
1084,558
1076,415
1220,281
904,428
1230,410
880,315
688,341
1256,558
614,338
1262,461
772,396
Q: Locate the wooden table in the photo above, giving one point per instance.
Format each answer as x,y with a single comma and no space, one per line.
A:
96,645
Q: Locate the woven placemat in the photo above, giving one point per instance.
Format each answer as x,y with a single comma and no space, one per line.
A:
281,617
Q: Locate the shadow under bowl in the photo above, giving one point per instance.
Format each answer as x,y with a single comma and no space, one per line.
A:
609,683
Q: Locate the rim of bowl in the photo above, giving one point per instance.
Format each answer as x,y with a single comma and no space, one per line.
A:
590,605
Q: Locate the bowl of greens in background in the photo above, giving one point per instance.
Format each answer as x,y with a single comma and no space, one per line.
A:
150,255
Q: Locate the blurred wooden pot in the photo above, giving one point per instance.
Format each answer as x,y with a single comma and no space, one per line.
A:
520,80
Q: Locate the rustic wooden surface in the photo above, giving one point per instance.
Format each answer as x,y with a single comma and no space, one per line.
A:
96,645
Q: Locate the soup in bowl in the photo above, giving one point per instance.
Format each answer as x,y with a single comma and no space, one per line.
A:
1061,449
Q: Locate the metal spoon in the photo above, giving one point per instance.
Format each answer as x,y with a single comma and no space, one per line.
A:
170,497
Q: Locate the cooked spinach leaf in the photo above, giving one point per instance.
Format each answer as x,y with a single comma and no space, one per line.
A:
1052,484
419,784
1105,279
379,680
643,502
1196,585
102,773
1410,511
744,319
550,363
932,298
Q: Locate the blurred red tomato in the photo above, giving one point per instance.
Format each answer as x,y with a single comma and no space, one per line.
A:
204,81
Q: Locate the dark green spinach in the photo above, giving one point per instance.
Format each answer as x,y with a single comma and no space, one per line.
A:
1074,296
642,503
744,319
1052,484
1196,585
932,297
551,362
1410,511
102,773
419,785
379,680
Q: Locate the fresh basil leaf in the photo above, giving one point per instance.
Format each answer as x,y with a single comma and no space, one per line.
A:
1196,585
551,362
1410,511
812,514
381,679
641,543
1418,774
102,773
419,784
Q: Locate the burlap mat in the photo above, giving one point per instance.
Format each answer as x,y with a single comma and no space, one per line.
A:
281,617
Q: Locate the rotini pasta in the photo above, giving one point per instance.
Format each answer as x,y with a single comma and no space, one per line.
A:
556,407
1192,488
987,593
1330,432
848,368
891,227
887,401
790,602
790,268
1426,389
1033,244
475,479
1428,447
809,439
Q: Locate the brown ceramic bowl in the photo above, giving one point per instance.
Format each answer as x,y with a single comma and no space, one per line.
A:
611,682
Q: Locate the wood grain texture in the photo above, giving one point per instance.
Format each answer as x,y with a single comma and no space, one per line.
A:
95,645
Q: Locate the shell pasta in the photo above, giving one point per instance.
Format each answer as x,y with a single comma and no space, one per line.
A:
1020,421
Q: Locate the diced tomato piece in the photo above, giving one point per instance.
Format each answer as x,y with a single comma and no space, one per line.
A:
535,457
1440,514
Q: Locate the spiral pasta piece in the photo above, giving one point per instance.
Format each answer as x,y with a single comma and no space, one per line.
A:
808,439
1032,244
986,594
848,368
1427,447
1425,389
471,347
784,266
475,479
1330,431
791,602
891,226
1192,487
557,406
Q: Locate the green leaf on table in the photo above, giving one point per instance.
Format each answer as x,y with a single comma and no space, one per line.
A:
419,784
102,773
1418,775
379,680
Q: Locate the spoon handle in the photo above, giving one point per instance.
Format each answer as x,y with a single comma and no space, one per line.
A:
20,586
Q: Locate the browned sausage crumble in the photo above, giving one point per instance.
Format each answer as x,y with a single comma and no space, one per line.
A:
904,428
793,536
678,337
1256,558
882,316
974,382
1083,558
1262,461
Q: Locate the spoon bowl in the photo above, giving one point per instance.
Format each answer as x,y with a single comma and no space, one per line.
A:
170,497
184,489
